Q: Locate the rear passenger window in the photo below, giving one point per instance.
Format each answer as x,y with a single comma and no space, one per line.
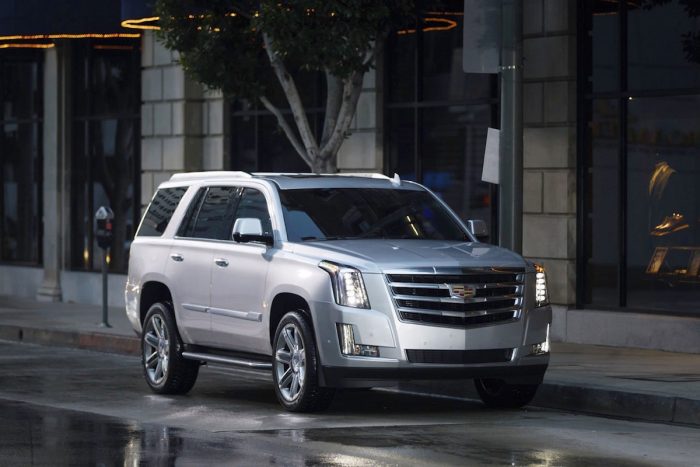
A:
160,211
215,216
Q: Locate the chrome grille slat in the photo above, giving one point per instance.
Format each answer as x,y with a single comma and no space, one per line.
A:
463,298
492,285
420,298
464,314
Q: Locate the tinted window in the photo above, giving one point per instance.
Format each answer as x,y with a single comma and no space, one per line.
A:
341,213
160,211
253,204
214,217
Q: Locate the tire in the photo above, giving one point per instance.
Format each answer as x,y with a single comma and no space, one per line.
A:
295,366
498,394
164,368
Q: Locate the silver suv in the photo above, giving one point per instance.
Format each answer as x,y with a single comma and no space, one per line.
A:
330,281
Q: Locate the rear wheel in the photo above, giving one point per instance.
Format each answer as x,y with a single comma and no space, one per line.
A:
498,394
164,368
295,366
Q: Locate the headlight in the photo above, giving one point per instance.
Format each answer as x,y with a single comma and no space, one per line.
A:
541,295
348,287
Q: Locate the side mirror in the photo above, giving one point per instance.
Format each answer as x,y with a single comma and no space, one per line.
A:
249,229
478,229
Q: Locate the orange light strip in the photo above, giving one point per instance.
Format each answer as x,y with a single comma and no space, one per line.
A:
447,25
139,23
116,35
26,46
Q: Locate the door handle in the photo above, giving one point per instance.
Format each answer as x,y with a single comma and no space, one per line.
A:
176,257
221,262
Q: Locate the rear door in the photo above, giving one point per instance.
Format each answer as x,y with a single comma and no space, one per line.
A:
189,263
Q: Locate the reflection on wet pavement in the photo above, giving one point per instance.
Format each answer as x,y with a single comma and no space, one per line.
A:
37,435
70,407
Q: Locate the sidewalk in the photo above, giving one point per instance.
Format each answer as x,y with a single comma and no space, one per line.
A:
639,384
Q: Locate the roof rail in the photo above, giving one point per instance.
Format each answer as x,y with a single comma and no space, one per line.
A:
394,181
190,176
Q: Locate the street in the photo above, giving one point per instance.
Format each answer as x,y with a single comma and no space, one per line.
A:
65,406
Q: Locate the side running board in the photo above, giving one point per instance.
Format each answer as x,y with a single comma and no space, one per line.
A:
233,361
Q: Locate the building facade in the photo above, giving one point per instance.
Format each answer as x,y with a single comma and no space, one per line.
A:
611,152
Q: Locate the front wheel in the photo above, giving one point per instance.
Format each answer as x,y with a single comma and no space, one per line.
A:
164,368
498,394
296,365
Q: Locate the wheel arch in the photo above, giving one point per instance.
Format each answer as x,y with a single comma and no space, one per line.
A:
283,303
152,292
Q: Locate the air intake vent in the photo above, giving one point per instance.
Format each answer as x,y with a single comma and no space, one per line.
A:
459,357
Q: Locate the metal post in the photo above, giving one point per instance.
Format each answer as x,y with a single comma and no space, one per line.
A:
510,200
105,311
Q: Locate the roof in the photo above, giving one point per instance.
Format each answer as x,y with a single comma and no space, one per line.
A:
291,181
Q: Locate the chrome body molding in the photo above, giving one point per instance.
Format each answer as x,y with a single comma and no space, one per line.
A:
246,315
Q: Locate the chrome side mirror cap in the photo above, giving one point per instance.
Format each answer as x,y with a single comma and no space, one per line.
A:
249,229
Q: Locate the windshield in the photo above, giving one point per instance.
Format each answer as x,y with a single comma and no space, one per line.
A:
362,213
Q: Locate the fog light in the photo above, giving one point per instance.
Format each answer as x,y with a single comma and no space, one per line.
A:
542,348
348,345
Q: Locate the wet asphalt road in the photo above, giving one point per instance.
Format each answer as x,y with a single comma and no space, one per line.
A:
71,407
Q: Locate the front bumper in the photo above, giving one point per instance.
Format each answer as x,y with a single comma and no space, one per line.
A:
397,340
359,377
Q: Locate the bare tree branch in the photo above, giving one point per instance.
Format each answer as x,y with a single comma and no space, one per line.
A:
334,96
282,122
295,103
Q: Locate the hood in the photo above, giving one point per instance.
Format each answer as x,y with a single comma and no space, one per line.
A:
388,255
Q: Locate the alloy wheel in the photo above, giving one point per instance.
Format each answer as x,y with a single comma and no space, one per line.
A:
156,349
290,362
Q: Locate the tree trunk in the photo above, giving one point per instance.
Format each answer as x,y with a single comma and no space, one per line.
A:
324,166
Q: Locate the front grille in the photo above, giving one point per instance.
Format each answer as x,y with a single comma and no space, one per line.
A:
459,357
473,297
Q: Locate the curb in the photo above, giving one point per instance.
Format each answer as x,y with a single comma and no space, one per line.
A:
551,395
623,404
97,341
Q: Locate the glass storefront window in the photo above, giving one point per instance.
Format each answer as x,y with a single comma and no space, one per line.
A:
105,149
605,53
641,156
454,139
660,48
435,131
21,91
663,236
603,214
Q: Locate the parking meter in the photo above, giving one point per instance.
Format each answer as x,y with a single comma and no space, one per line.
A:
104,218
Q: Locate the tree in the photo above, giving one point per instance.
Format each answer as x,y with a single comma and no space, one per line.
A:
233,45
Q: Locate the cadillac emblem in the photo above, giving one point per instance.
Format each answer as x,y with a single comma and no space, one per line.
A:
461,291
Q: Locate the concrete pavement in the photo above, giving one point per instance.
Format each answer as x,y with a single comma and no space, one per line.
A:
638,384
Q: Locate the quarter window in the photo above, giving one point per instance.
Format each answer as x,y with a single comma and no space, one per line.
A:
160,211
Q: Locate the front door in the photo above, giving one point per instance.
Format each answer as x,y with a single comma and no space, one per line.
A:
238,275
